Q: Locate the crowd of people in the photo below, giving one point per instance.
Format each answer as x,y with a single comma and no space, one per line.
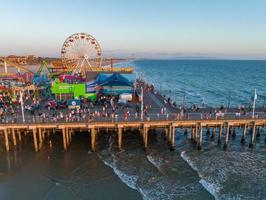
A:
104,108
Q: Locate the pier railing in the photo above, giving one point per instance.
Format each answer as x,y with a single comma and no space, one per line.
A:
132,118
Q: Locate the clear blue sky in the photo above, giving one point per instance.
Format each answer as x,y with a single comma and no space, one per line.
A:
215,28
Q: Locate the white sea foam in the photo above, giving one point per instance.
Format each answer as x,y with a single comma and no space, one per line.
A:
212,188
143,193
130,181
153,161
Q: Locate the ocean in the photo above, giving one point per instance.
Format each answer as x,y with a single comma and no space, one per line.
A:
212,173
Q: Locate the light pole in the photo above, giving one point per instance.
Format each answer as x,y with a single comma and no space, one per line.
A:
21,105
254,104
5,66
141,108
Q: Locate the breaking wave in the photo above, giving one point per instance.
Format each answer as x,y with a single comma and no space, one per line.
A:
212,188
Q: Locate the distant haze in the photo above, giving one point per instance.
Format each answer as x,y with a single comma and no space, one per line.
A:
143,29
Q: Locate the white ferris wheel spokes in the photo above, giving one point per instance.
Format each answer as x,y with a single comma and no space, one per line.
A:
81,52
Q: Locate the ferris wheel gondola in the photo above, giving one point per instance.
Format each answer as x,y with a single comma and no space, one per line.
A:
81,52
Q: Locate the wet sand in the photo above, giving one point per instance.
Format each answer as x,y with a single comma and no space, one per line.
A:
54,174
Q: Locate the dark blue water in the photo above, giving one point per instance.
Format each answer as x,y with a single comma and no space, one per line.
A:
206,82
238,173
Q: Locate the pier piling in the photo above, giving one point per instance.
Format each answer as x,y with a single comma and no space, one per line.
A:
14,137
70,135
234,133
200,138
220,134
227,136
67,137
40,137
208,131
19,135
120,138
185,132
196,135
64,138
258,132
93,139
172,143
35,139
192,134
145,137
243,139
6,140
213,133
252,137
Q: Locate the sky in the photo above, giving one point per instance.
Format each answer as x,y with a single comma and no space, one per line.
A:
233,29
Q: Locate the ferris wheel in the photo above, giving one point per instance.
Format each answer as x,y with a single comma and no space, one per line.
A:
81,52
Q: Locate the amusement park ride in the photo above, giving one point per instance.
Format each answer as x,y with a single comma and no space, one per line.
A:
81,54
18,72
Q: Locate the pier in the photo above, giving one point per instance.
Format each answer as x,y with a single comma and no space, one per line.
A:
12,134
192,123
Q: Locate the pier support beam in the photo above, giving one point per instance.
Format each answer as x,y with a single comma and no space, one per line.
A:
172,142
220,134
14,137
165,134
252,137
200,137
93,135
43,134
208,131
213,133
6,140
19,135
35,139
70,135
120,138
40,137
243,139
67,137
234,132
64,138
169,135
145,137
192,134
258,132
196,135
227,136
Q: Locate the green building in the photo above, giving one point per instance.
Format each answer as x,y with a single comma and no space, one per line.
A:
63,90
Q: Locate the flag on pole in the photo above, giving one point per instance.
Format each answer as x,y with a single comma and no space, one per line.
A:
254,103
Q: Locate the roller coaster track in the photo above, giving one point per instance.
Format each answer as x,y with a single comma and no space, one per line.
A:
12,64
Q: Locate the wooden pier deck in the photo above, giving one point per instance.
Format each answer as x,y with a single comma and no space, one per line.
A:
217,127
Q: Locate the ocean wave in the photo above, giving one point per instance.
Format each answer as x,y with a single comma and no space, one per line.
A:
212,188
155,162
129,180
